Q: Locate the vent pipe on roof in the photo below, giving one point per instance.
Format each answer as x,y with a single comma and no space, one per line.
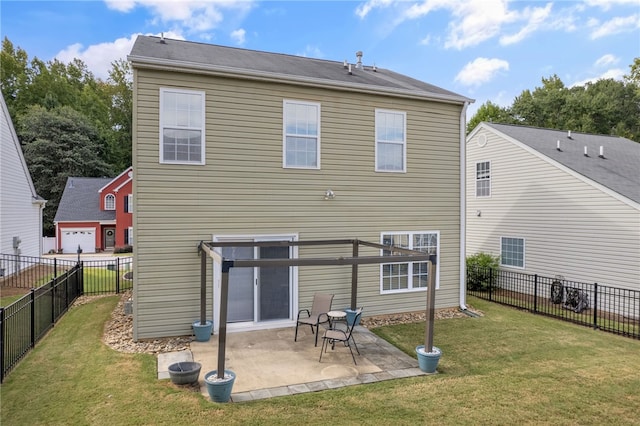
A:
162,38
569,135
345,63
375,68
70,183
350,69
601,152
558,145
359,63
585,152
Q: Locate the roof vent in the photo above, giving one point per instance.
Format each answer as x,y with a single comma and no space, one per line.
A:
601,152
374,68
359,63
569,135
345,64
162,38
585,152
70,183
558,145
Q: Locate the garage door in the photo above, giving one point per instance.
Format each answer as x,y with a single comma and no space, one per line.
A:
85,238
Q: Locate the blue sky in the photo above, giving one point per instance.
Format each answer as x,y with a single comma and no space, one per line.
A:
482,49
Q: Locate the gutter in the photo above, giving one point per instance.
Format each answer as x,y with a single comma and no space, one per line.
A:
463,207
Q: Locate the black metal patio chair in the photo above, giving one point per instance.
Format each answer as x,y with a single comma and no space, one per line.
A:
334,335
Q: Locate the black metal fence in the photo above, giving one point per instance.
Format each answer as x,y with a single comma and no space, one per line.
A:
100,276
611,309
51,286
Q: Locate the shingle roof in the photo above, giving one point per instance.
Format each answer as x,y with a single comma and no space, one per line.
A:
152,51
619,170
81,201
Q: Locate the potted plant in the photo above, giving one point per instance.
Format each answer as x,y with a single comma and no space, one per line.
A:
429,355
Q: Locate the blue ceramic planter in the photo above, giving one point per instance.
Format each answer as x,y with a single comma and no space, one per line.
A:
202,332
351,314
219,390
428,361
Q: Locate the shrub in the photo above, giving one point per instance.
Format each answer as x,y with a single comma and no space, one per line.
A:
125,249
481,269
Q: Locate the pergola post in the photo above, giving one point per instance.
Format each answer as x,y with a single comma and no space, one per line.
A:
431,303
222,333
354,276
203,287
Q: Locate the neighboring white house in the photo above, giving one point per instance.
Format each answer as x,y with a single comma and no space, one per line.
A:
20,206
553,202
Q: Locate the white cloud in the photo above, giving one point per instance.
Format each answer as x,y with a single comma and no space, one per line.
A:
606,60
536,18
607,4
615,26
238,36
615,74
364,8
189,16
481,70
98,57
311,52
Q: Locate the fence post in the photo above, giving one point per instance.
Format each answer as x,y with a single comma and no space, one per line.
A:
33,318
535,293
2,344
55,267
595,305
117,275
54,283
490,282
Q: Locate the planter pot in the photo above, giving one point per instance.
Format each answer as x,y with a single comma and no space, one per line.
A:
183,373
202,332
219,389
428,361
351,314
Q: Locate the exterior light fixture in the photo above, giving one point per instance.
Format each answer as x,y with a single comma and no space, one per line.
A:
329,194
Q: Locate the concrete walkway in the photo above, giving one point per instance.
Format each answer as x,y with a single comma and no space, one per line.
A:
268,363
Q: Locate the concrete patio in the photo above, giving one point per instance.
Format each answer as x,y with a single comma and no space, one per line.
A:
268,363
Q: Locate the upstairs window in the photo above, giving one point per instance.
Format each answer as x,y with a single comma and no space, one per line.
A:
391,141
407,276
128,204
181,126
301,135
483,179
109,202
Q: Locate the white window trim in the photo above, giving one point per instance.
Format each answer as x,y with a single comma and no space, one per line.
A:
108,196
130,230
164,90
284,133
475,171
524,252
130,203
404,143
412,289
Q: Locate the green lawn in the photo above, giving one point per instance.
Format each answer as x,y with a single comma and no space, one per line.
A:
508,367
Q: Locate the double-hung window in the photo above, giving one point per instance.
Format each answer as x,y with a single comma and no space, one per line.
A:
182,126
391,141
407,276
301,128
128,203
483,179
512,252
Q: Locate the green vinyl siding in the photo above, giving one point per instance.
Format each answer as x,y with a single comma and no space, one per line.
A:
244,190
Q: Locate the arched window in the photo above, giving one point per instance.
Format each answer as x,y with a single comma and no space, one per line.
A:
110,202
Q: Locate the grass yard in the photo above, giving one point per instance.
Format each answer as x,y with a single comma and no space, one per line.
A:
508,367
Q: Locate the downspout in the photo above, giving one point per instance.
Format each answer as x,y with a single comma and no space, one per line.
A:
463,207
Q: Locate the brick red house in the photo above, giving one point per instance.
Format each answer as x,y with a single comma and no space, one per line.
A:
95,214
